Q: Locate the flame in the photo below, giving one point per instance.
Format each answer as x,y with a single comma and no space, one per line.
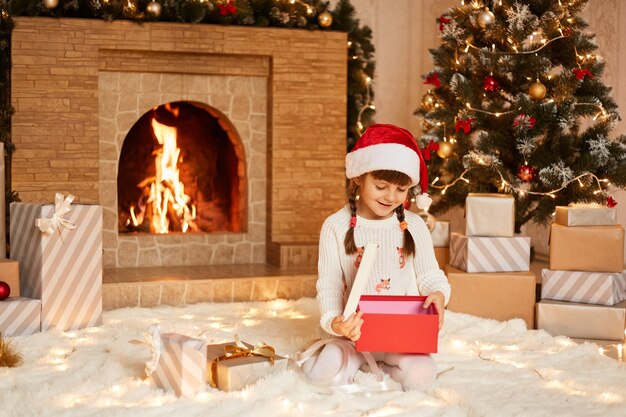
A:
167,193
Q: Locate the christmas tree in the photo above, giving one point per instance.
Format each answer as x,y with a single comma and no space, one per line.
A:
517,105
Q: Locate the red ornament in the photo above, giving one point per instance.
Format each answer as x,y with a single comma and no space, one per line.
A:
432,146
228,8
442,22
434,80
580,73
526,173
5,290
464,124
567,31
490,84
610,202
406,204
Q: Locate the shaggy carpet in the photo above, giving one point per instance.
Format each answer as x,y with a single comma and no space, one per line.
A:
486,368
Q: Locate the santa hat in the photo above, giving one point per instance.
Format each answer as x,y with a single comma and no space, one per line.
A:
388,147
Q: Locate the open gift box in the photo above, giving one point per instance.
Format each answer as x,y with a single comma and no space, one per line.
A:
397,323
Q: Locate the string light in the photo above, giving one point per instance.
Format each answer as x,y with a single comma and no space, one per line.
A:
496,114
507,186
494,52
368,105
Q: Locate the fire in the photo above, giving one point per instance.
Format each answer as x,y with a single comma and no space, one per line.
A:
167,197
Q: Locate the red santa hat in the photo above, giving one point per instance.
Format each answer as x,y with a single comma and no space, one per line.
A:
388,147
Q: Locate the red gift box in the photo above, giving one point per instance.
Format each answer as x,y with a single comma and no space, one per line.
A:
397,323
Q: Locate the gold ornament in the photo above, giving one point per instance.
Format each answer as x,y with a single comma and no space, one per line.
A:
445,149
154,9
325,19
537,91
50,4
428,101
486,18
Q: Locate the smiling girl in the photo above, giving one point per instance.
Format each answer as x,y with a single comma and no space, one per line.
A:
383,166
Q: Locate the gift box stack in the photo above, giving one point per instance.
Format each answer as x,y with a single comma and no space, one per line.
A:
58,248
584,289
19,316
489,267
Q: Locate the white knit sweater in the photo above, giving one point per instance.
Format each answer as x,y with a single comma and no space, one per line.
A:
420,274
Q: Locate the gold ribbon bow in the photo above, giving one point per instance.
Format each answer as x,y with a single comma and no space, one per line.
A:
240,350
61,208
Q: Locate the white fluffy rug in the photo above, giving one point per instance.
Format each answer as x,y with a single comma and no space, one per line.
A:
487,368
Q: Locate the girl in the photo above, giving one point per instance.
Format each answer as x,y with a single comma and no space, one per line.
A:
383,165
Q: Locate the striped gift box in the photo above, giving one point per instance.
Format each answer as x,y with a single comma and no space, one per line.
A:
584,287
63,269
489,254
20,316
182,365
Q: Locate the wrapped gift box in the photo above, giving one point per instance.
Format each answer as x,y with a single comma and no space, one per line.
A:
605,288
397,324
440,234
182,365
585,216
586,321
443,257
235,372
490,254
20,316
489,215
10,273
498,296
63,268
587,248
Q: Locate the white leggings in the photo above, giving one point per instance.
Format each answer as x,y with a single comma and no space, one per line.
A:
412,371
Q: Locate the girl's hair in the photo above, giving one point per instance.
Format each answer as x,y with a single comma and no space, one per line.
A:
393,177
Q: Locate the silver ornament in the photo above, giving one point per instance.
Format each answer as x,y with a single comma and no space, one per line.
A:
486,18
154,8
50,4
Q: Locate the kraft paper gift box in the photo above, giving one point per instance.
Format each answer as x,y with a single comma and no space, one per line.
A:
498,295
10,273
606,288
245,365
61,266
443,257
489,254
440,234
20,316
587,248
489,215
585,216
585,321
397,324
180,363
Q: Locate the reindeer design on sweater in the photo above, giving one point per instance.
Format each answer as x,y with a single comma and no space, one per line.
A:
383,285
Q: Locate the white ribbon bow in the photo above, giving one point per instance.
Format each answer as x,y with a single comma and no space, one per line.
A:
61,208
152,341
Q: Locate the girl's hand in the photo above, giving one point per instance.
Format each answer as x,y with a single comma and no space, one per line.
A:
438,299
350,328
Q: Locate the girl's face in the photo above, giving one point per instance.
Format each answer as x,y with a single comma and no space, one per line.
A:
379,198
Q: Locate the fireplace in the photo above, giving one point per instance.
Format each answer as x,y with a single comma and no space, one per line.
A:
181,169
220,126
276,98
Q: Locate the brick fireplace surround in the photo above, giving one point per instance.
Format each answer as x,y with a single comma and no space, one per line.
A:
78,86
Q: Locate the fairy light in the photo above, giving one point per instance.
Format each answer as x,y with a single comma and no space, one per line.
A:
368,105
504,184
494,52
496,114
